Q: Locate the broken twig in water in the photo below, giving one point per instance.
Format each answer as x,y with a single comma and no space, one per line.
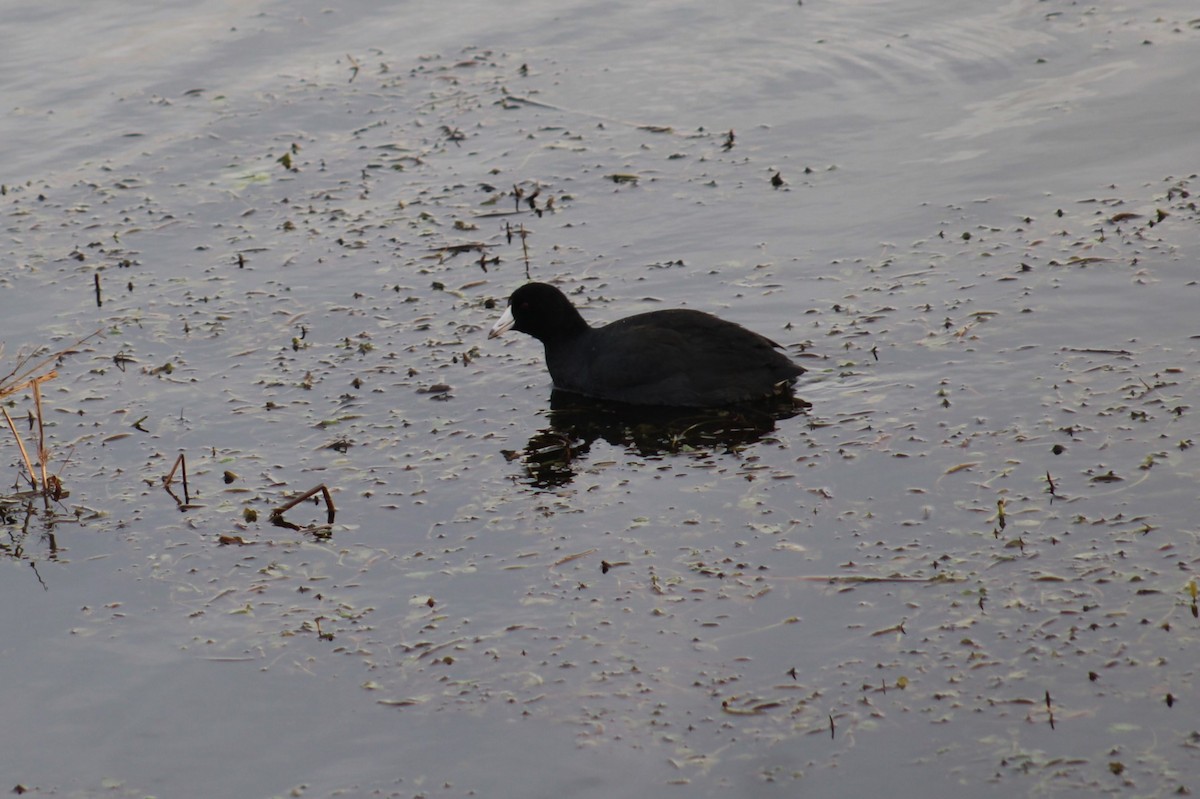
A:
865,578
524,234
181,466
277,513
576,556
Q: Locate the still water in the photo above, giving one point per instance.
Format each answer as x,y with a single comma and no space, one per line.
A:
967,567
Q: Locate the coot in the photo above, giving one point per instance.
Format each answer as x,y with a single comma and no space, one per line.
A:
678,357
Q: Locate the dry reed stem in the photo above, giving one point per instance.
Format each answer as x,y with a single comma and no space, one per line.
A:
43,454
28,373
24,371
21,445
6,390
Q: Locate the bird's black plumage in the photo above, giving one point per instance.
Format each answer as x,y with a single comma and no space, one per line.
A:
675,357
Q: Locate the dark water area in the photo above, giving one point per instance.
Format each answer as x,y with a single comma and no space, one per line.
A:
965,564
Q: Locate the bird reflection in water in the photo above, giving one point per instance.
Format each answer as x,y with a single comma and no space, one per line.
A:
576,422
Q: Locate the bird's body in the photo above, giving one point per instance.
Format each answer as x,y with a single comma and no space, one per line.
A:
675,357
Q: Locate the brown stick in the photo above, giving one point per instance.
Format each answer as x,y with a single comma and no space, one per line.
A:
21,445
43,455
277,513
179,462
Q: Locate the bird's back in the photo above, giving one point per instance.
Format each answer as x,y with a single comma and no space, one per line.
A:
678,357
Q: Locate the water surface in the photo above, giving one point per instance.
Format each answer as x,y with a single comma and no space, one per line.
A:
967,566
